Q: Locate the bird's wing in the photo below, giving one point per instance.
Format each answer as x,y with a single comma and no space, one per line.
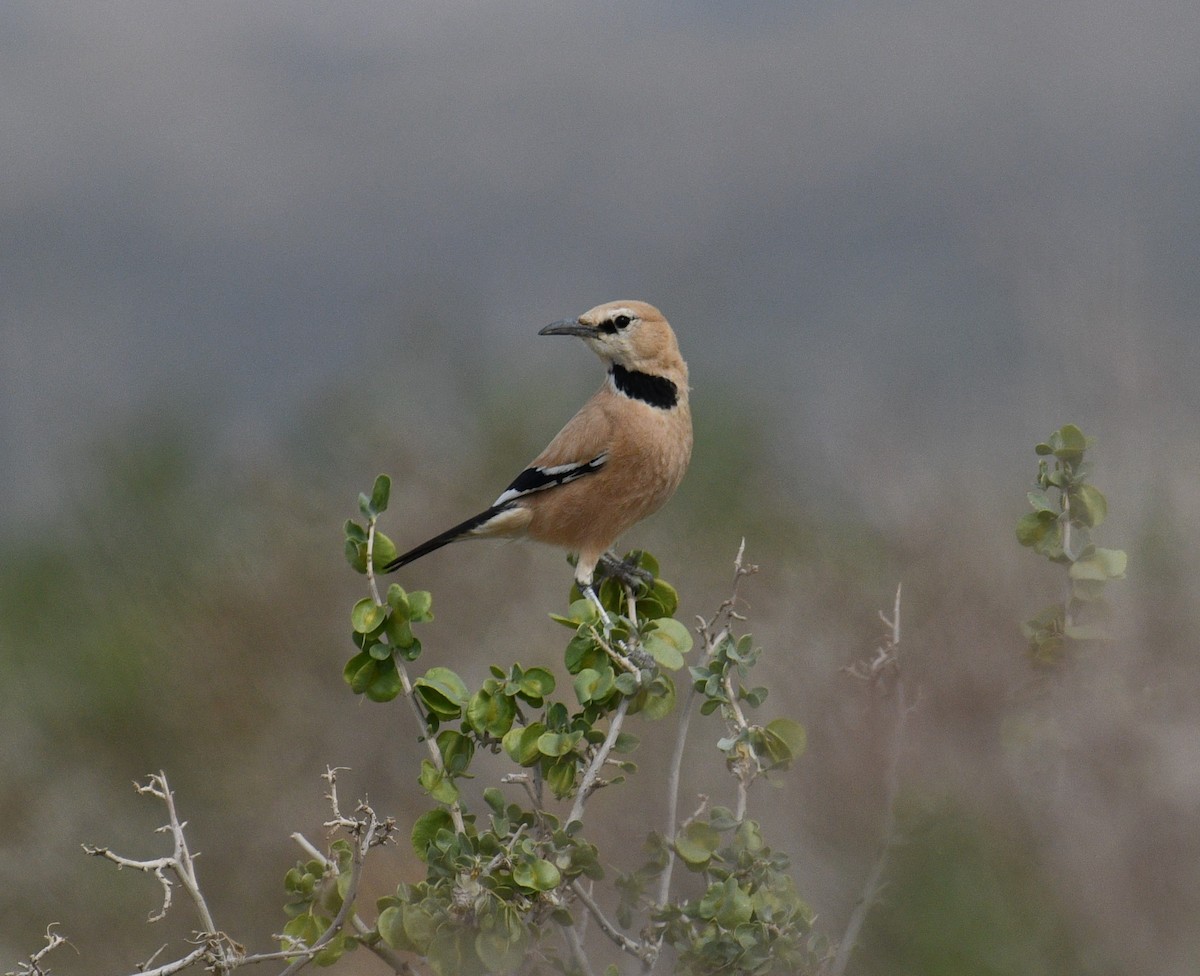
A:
540,477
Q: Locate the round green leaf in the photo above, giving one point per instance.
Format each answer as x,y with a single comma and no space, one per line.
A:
383,550
791,734
560,776
491,713
658,699
367,615
420,604
696,843
443,692
538,875
592,685
557,744
536,684
426,829
521,743
386,683
457,751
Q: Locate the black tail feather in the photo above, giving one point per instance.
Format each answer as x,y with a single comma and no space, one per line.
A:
444,538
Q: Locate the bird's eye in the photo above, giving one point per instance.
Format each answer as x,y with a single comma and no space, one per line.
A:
621,321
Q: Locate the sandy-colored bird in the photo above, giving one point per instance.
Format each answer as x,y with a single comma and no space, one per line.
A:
615,462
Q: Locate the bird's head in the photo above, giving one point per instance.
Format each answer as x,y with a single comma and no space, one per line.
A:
631,334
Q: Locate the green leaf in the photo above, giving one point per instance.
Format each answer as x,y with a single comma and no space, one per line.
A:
491,713
592,685
399,632
536,684
452,952
521,743
537,875
661,601
1033,527
579,612
367,615
791,734
353,666
495,799
501,944
380,492
397,599
391,929
457,751
420,603
443,692
582,652
696,844
560,776
356,555
420,926
427,827
673,631
383,551
1041,502
555,744
386,683
1068,443
379,651
436,783
1100,564
1088,504
658,699
726,904
749,837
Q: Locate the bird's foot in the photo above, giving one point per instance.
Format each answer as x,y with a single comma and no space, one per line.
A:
625,571
590,593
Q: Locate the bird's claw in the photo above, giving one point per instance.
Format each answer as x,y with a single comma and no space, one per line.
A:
625,571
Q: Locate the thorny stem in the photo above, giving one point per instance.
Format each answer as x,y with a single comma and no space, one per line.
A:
712,638
364,833
435,755
33,967
588,784
642,952
181,863
886,660
578,952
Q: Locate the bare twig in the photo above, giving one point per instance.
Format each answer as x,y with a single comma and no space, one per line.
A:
33,965
639,950
712,632
221,953
574,942
883,665
588,784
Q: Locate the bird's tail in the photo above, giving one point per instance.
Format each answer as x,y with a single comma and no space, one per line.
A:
460,531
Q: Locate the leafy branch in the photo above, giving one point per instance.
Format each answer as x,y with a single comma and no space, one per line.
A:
1067,509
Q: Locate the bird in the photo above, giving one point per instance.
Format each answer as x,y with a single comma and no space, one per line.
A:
619,459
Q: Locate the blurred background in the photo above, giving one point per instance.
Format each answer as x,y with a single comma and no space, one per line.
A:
254,254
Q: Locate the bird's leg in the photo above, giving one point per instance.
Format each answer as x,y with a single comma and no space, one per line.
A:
624,571
586,588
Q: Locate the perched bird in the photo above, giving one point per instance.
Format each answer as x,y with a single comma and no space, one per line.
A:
615,462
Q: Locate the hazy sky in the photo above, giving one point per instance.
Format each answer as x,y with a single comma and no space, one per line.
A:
899,221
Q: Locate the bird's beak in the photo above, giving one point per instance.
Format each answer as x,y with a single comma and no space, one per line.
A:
571,327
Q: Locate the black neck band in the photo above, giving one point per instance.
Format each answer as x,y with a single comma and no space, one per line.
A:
658,391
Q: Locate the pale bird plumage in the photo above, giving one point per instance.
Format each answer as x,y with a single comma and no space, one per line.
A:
616,461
